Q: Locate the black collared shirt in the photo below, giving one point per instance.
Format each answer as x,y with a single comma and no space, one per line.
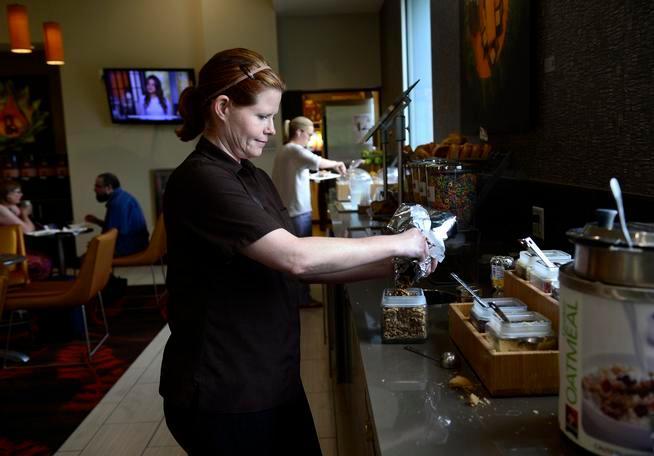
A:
235,331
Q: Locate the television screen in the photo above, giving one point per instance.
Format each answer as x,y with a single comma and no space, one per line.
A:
146,95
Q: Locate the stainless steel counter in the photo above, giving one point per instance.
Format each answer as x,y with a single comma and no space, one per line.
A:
414,411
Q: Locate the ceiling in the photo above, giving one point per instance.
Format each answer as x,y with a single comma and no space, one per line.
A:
320,7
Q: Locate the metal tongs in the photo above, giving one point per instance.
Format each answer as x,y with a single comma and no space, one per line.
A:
486,304
531,246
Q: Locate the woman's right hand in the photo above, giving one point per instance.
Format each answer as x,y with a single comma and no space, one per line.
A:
416,246
413,244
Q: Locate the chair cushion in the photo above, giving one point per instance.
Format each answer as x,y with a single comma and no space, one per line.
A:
142,258
40,289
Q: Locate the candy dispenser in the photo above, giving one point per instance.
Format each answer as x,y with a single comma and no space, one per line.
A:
452,187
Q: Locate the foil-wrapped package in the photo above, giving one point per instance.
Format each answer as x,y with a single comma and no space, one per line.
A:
434,226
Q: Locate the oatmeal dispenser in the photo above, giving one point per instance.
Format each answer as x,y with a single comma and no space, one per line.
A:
606,340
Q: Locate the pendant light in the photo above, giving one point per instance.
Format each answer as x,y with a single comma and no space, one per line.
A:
53,43
19,30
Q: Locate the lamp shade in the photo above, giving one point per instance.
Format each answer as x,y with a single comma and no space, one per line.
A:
19,29
53,43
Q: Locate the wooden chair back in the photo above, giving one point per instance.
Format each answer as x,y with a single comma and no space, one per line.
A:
96,267
12,241
153,252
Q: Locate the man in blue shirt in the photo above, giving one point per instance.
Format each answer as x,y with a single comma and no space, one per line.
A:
123,213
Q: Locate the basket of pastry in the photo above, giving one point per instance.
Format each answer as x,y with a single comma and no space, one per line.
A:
454,147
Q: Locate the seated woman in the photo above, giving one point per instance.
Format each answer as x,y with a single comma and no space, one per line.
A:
13,213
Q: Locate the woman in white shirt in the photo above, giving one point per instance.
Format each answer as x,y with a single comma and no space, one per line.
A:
12,212
291,177
291,173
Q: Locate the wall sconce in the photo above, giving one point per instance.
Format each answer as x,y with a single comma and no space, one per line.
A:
53,43
19,30
19,35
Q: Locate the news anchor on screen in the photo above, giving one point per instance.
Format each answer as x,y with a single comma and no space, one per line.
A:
146,95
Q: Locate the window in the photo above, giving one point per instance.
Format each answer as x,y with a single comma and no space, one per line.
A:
417,65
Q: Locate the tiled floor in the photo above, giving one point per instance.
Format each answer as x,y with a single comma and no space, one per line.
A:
129,419
141,275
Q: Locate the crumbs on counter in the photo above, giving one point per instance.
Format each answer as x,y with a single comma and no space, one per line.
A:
462,383
459,382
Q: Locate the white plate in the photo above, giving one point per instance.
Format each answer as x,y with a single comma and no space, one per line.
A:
320,176
78,226
346,206
46,232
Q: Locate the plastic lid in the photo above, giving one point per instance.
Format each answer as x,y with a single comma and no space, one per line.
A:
358,175
417,298
642,235
444,166
558,256
555,256
508,305
527,324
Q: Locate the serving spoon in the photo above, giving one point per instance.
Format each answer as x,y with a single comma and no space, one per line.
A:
476,297
617,195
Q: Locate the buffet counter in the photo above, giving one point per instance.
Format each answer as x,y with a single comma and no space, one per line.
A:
391,401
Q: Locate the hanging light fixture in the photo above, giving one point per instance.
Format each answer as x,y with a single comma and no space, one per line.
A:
19,30
53,43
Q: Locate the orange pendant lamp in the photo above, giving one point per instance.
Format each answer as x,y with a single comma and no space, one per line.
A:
19,30
53,43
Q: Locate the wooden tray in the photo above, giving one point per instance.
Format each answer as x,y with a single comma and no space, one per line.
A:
509,373
535,299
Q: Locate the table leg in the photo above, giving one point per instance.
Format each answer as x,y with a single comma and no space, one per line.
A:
14,356
60,254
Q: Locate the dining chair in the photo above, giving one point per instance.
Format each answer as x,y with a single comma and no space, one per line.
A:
12,241
92,278
153,254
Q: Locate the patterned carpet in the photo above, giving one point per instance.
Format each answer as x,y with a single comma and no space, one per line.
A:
41,407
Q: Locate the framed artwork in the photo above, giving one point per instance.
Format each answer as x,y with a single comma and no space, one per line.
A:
160,177
495,57
33,135
25,115
31,110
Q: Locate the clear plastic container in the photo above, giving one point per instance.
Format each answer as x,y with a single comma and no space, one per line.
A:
377,187
525,263
558,257
360,182
404,315
542,277
342,189
523,332
479,315
522,264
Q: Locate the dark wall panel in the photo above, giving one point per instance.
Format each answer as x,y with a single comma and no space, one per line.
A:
391,51
594,115
593,112
446,67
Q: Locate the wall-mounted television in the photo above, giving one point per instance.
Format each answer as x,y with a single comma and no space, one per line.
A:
146,95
